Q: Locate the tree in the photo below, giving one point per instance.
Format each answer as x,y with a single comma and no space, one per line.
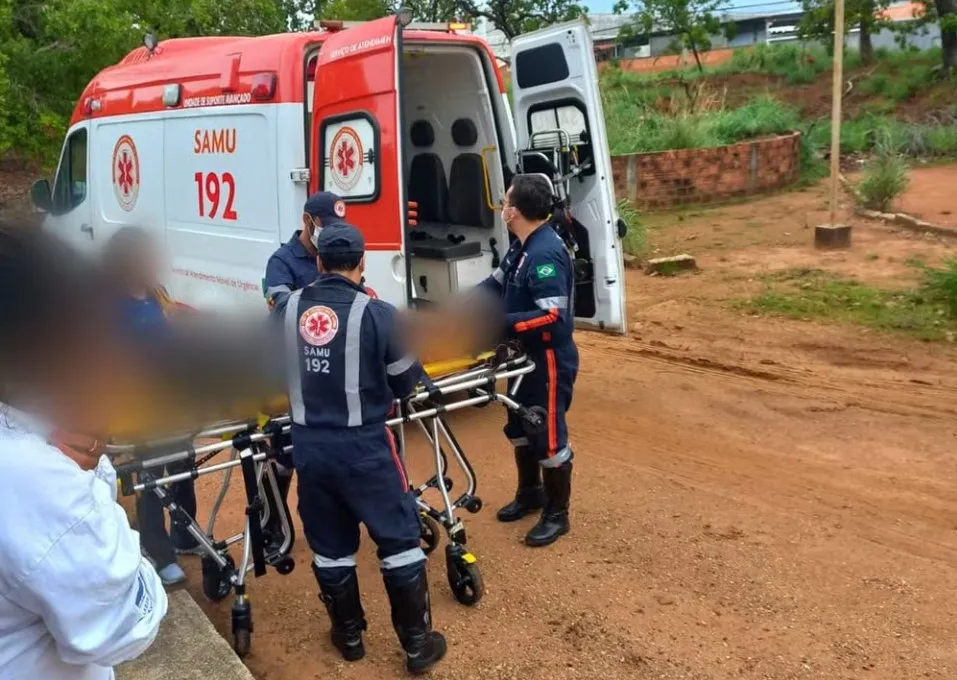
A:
691,23
867,15
944,12
514,17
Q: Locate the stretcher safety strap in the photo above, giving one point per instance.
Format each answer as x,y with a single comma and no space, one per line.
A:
403,559
351,358
329,563
297,407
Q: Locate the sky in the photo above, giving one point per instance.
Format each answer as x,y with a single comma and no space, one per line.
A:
756,6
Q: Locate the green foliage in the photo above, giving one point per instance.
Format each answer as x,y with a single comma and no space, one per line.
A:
691,22
636,236
797,64
940,286
514,17
885,177
814,294
637,126
865,15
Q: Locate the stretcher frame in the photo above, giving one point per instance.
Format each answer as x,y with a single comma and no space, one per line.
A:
255,445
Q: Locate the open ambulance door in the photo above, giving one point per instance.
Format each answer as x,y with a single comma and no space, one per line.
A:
560,129
356,145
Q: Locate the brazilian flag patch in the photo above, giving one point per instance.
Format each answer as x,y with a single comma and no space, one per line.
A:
545,271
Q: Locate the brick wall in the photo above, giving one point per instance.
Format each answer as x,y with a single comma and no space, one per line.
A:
653,181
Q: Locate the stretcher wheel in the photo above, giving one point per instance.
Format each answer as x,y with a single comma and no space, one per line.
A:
465,579
285,565
242,640
217,582
448,483
473,504
430,534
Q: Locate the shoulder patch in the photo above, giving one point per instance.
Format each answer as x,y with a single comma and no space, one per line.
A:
318,325
545,271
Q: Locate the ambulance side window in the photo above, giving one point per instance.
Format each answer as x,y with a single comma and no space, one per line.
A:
567,115
349,145
69,189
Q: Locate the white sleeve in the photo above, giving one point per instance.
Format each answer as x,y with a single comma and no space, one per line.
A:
100,599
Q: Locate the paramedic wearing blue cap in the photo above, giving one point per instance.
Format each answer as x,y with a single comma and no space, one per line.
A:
347,365
536,283
293,266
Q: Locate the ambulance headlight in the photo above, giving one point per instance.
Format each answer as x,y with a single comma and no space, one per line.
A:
404,17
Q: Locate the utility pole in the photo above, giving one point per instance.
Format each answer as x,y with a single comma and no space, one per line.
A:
834,235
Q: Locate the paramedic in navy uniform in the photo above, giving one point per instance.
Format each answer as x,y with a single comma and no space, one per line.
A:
536,283
290,268
347,366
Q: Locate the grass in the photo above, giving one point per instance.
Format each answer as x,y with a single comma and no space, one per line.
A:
885,177
648,112
927,311
636,236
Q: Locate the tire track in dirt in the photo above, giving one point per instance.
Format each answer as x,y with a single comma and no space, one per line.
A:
907,398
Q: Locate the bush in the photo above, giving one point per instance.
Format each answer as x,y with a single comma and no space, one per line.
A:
940,285
885,178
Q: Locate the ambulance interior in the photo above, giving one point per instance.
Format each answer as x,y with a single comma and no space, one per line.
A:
453,157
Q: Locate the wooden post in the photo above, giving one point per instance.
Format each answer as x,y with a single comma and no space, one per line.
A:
834,235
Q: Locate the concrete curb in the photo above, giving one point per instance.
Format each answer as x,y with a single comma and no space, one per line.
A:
187,648
904,220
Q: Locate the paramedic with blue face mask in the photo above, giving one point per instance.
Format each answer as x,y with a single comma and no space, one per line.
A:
347,365
536,284
76,595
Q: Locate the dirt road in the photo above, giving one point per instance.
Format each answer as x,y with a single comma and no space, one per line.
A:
753,498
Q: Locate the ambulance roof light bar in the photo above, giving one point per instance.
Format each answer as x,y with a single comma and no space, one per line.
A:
333,25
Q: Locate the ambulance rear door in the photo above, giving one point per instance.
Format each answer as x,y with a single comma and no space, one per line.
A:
555,87
357,145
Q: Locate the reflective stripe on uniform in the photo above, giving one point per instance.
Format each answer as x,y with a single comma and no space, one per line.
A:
559,459
297,406
351,358
403,559
329,563
498,275
558,302
518,441
275,290
401,366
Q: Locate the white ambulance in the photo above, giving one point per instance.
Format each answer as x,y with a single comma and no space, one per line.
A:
214,143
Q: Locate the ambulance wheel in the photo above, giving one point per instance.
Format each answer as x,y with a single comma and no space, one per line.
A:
465,579
473,505
242,640
286,565
217,581
430,534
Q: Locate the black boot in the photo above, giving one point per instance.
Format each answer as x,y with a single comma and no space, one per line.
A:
345,611
554,521
412,619
529,496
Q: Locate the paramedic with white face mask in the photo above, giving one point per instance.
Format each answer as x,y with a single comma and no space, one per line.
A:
76,596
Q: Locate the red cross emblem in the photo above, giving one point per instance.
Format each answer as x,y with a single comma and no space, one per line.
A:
126,173
318,325
346,159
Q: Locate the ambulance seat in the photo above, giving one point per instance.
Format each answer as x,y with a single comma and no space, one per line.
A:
428,188
427,184
468,206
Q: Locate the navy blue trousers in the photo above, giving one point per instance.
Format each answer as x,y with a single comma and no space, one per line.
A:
549,387
350,476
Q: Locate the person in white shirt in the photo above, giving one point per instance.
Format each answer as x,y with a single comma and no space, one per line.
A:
76,596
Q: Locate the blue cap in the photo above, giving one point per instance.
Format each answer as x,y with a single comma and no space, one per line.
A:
340,239
326,207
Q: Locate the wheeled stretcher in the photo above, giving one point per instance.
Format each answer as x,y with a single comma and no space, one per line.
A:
255,444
